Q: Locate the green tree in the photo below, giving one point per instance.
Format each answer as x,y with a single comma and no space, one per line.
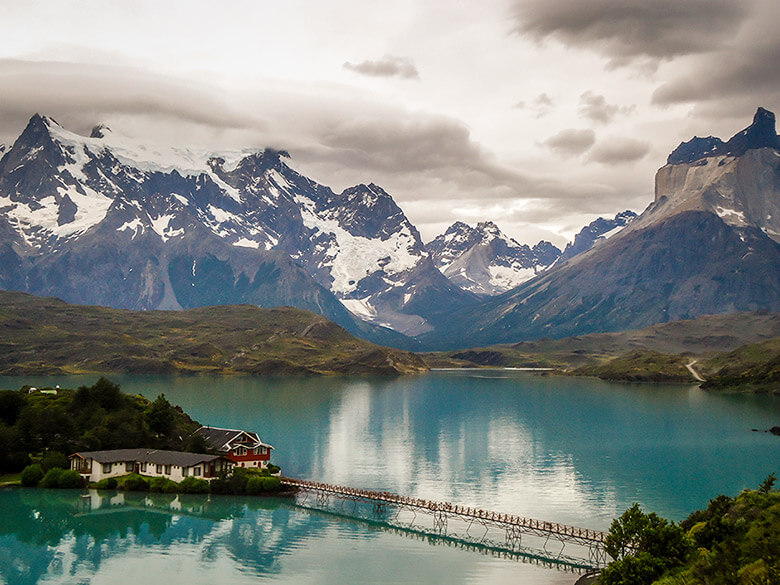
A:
767,485
644,547
52,459
625,532
11,404
160,416
107,394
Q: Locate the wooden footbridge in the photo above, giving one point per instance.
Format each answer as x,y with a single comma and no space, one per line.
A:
466,525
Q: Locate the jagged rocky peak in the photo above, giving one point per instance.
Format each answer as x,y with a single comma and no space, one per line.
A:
599,229
100,131
546,253
760,134
264,160
485,261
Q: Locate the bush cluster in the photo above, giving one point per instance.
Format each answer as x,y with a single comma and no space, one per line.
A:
240,481
56,477
732,541
107,483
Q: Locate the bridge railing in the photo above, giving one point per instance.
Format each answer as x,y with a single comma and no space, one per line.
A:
561,530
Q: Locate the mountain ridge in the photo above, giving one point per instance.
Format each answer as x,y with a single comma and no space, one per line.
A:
60,192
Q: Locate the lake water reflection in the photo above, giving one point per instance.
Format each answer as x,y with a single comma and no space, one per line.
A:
563,449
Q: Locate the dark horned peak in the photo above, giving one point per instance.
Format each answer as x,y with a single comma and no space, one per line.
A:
760,134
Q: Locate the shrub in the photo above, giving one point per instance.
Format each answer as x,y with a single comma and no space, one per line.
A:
107,483
193,485
254,485
32,475
221,485
273,468
272,484
163,485
259,484
70,479
238,479
135,483
171,487
52,459
52,478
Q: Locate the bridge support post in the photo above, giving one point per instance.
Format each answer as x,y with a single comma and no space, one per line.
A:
440,522
379,509
322,498
514,538
598,556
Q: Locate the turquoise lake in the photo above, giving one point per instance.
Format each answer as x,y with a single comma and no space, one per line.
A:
569,450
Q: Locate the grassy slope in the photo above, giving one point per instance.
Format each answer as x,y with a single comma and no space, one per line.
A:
752,368
641,366
656,353
44,335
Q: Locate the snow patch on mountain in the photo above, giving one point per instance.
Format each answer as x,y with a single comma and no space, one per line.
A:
350,257
361,308
245,243
508,277
135,225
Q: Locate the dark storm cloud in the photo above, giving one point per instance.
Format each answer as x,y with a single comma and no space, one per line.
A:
434,155
619,151
750,71
624,29
79,96
571,141
595,108
387,66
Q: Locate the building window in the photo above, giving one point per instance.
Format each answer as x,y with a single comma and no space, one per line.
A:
263,451
240,451
143,467
106,468
158,469
128,466
196,471
185,471
167,470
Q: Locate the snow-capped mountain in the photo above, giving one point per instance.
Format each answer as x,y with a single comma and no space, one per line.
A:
708,244
105,220
598,230
485,261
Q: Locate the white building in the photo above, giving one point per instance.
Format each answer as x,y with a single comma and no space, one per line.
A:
175,465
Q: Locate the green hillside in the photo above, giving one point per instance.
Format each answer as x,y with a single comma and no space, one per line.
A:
751,368
49,336
738,351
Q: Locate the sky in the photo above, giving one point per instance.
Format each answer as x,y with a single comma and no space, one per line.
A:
539,115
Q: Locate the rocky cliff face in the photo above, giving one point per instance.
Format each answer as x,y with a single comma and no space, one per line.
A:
738,180
485,261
